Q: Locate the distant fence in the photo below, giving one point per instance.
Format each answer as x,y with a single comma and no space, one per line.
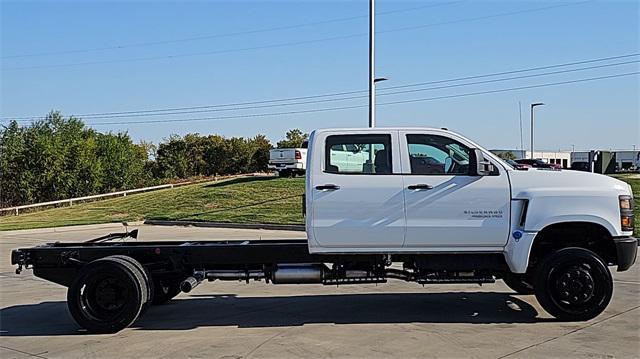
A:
16,210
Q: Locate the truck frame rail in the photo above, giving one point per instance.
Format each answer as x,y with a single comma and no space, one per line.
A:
112,279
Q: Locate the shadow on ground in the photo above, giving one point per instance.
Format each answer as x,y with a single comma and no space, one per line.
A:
188,312
240,180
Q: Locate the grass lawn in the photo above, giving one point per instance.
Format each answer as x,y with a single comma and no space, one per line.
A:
243,200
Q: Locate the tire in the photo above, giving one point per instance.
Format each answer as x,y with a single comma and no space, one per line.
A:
573,284
165,290
284,173
107,295
520,283
148,280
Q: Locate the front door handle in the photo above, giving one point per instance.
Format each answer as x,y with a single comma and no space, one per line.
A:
420,186
328,187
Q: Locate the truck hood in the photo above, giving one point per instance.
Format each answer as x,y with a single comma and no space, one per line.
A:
558,183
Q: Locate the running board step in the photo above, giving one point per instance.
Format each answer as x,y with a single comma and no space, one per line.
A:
456,280
363,280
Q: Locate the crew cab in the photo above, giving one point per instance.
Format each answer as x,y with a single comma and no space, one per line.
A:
288,161
415,204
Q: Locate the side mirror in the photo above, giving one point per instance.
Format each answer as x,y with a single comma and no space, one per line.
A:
478,166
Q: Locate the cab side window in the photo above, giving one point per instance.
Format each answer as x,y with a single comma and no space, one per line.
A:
358,154
437,155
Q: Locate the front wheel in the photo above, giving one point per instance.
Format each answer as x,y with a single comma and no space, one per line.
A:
573,284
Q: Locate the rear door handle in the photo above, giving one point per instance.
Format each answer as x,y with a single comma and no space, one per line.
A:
328,187
420,186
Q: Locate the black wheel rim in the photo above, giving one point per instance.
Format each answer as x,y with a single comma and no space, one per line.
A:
574,286
104,297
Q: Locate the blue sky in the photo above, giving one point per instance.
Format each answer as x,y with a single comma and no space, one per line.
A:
128,56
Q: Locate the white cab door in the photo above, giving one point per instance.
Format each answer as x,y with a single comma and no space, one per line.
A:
357,199
446,208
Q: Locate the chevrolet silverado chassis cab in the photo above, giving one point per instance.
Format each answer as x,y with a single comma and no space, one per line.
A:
414,204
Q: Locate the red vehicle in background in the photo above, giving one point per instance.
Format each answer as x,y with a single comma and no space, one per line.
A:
518,166
538,163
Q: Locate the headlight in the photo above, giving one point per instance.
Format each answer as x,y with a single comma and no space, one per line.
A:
626,202
626,213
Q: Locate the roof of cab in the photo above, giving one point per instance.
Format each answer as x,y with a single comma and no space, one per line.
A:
381,129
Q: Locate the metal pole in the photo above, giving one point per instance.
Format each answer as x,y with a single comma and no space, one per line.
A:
372,89
533,105
520,114
532,131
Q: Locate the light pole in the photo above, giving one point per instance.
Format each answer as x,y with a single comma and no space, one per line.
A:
372,85
533,105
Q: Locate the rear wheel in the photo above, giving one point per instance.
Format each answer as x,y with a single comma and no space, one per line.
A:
520,283
107,295
573,284
147,280
284,173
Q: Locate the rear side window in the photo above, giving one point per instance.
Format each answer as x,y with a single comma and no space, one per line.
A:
358,154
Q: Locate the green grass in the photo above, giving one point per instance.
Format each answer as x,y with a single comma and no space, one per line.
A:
242,200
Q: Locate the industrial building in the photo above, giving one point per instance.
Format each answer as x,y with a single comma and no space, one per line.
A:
628,160
599,161
562,158
606,161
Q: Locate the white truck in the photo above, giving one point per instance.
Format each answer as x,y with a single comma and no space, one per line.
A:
288,161
415,204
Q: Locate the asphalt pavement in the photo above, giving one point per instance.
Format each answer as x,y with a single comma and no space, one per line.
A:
256,320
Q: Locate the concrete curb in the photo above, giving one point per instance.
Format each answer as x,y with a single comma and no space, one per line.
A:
72,228
271,226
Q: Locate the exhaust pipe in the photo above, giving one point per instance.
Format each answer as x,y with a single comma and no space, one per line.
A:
188,284
284,274
234,274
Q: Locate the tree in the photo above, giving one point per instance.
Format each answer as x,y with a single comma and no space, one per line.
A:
171,157
14,179
58,158
294,138
260,158
507,155
217,155
122,161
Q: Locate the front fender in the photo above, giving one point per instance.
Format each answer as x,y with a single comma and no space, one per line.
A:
540,224
603,210
516,252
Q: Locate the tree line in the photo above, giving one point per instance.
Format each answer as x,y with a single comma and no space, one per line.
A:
57,158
